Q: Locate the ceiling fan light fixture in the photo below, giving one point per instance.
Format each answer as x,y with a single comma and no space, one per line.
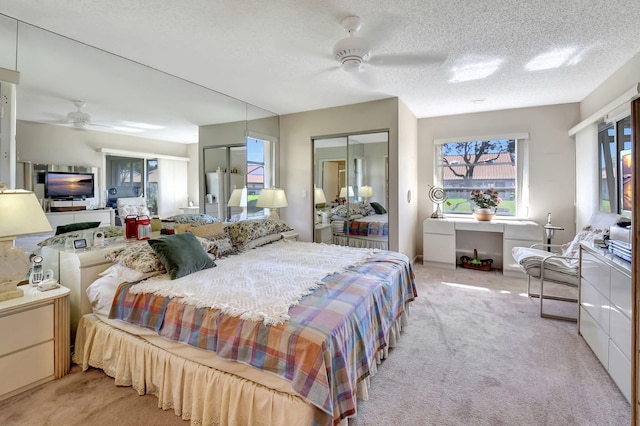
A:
351,52
352,65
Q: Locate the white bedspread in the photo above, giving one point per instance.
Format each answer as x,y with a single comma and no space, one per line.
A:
260,284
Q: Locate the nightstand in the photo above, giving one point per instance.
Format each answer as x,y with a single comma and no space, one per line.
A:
34,331
323,233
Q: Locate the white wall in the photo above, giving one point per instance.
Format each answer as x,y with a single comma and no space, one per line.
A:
49,144
551,156
619,82
296,160
406,166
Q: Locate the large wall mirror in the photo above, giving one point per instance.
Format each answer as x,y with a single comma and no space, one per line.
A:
351,184
134,112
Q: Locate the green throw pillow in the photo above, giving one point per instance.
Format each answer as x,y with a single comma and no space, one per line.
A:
80,226
181,254
377,207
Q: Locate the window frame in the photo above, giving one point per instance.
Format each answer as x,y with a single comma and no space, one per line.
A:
521,174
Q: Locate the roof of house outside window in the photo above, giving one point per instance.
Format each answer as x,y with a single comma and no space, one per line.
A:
501,168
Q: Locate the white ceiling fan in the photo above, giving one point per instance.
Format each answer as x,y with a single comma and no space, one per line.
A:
353,52
79,118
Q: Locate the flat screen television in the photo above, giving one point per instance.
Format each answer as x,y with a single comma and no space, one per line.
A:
68,186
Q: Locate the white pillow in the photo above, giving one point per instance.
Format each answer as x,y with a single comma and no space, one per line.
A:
101,293
126,274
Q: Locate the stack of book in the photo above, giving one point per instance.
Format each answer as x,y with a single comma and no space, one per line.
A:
621,249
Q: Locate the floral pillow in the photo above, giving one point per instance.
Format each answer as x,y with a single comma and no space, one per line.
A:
206,231
223,245
197,218
138,256
247,230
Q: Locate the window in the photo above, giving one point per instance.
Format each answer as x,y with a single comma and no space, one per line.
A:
229,167
255,174
614,141
480,164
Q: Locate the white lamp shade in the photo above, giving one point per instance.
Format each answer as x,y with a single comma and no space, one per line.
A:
238,198
21,214
272,198
365,191
346,191
318,196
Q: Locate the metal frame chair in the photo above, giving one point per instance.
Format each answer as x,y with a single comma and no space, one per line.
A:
599,223
543,262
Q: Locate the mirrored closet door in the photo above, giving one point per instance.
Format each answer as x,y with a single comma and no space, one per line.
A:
351,181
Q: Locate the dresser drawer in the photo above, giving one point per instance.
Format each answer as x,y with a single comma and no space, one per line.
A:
435,226
595,337
38,359
621,291
620,370
26,329
620,331
595,304
596,272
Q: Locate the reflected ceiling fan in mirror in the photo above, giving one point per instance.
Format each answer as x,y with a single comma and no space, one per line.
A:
79,118
354,52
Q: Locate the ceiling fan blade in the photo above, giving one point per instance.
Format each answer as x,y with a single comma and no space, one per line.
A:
408,59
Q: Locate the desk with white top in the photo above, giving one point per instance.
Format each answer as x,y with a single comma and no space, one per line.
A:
446,240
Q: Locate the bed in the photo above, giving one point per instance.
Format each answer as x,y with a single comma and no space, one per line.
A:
360,225
300,352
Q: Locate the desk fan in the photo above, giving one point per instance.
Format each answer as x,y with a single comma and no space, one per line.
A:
438,196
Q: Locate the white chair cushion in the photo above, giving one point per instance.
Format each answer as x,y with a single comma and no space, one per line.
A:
556,269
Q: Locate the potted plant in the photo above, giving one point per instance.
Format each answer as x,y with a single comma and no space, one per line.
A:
486,202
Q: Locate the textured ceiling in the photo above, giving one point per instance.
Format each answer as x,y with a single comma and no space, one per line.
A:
277,55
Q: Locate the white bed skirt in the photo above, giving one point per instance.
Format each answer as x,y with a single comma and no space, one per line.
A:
202,394
381,243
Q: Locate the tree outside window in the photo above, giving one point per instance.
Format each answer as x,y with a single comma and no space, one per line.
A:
481,164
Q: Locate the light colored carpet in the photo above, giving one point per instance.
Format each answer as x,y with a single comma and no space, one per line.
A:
475,352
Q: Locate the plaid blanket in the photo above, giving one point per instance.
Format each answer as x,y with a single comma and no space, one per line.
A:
366,229
326,347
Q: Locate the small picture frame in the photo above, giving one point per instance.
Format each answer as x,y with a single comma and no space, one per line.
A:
80,243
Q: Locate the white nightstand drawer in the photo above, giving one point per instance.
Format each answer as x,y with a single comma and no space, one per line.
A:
26,367
25,329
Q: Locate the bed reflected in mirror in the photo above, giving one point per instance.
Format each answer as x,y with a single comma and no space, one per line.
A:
351,190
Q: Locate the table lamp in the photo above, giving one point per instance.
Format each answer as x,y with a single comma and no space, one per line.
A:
346,191
273,199
318,196
365,192
239,199
20,214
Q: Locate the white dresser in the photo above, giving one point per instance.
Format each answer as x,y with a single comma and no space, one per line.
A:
606,308
106,217
34,331
446,240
